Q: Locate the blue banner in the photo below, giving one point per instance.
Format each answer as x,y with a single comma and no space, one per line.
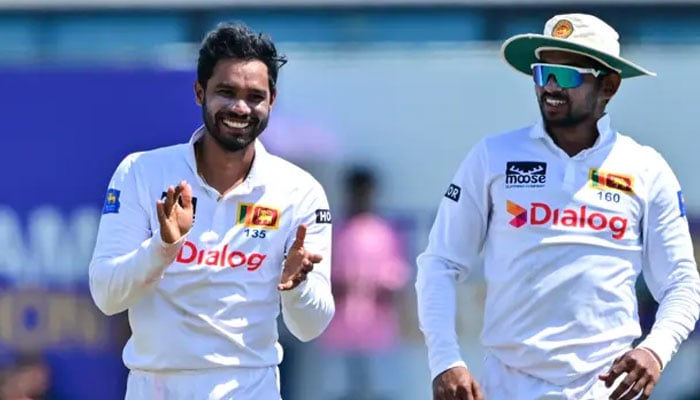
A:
64,132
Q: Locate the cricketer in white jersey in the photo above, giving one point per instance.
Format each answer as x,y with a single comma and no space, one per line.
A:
563,236
203,308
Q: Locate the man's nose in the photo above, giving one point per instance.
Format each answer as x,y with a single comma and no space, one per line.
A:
240,106
552,85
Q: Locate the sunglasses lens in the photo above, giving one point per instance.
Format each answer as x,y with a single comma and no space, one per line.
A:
566,77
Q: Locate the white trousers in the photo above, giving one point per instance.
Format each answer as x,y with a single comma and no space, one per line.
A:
500,382
215,384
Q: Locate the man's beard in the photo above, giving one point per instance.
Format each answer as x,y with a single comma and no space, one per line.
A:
569,120
232,143
572,117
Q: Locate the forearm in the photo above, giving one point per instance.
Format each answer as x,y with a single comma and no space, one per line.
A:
436,295
116,283
308,309
675,319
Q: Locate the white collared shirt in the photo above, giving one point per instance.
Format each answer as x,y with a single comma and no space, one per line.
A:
210,299
563,240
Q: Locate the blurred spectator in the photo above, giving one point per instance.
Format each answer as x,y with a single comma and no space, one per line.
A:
28,379
369,270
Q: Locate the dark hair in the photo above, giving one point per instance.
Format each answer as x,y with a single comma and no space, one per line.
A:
360,177
237,41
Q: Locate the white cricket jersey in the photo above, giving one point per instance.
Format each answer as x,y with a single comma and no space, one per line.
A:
563,240
211,299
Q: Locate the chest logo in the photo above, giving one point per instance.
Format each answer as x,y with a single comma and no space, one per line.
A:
526,174
605,180
257,216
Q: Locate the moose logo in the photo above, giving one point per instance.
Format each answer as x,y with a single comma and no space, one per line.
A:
525,174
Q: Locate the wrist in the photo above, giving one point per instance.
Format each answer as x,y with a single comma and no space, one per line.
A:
653,354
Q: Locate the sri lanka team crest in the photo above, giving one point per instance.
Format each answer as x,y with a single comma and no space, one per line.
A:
563,29
111,205
600,179
257,216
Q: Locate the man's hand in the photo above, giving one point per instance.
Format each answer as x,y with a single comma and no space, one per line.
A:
298,263
456,384
643,370
175,212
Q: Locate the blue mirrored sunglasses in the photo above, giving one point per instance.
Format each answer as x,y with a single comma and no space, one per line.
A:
567,76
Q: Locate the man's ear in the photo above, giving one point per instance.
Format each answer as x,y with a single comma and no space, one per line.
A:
198,93
611,83
273,96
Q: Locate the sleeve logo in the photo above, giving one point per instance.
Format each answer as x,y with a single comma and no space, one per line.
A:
681,203
323,216
453,192
111,202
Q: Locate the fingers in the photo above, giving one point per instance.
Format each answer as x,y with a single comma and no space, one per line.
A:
298,277
464,393
286,285
456,384
647,390
441,393
160,210
186,195
301,235
168,201
476,389
164,206
180,194
314,258
292,282
615,371
458,393
171,198
624,386
636,389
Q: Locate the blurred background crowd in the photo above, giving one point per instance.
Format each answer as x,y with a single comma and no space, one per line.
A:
381,100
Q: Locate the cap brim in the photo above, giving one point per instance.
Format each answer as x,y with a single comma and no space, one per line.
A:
520,52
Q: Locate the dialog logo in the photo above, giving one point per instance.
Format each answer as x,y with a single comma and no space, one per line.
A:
189,253
519,214
540,214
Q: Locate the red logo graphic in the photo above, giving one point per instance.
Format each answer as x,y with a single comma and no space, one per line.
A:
542,214
189,253
518,212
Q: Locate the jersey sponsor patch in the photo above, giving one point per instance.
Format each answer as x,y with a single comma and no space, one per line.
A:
257,216
453,192
194,204
604,180
323,216
526,174
225,257
573,218
681,203
111,202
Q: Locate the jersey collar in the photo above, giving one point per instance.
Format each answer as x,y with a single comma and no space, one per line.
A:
259,171
604,128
